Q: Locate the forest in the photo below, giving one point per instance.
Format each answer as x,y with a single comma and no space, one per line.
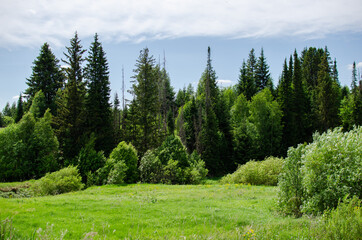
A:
66,117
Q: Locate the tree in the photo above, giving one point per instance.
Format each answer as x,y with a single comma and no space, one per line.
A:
116,112
262,75
246,84
146,102
46,76
19,109
327,97
265,128
70,120
38,106
98,107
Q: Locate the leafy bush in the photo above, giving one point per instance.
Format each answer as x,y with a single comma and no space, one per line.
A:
257,172
62,181
150,168
329,168
344,222
119,168
171,164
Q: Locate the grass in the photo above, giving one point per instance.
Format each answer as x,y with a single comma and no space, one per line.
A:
144,211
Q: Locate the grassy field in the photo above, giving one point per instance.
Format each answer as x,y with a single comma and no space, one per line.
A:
143,211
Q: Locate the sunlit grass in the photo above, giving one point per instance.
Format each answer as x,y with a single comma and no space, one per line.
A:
143,211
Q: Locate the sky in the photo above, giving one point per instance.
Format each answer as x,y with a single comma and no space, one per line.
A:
180,30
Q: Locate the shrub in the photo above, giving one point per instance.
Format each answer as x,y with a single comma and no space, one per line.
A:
120,167
150,168
171,164
257,172
62,181
329,168
344,222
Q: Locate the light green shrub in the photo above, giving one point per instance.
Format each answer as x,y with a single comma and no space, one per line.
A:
118,173
257,172
128,154
62,181
328,169
344,222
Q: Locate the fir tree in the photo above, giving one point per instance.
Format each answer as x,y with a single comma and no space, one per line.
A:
262,75
97,103
146,102
246,84
70,120
46,76
116,119
19,109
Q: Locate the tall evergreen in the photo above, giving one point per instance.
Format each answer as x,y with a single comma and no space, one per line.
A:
70,120
300,104
246,83
116,112
146,102
19,109
262,75
327,97
97,102
285,99
46,76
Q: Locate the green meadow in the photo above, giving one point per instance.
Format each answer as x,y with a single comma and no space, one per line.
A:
145,211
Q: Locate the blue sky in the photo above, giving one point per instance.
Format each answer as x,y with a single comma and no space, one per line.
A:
181,29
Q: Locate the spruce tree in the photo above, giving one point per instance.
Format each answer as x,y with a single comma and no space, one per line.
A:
262,75
70,120
46,76
19,109
327,97
97,104
146,102
246,83
116,119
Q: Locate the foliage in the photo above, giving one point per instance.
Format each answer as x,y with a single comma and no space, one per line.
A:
126,153
89,160
62,181
317,175
150,168
257,172
171,164
343,222
97,105
38,106
46,76
28,149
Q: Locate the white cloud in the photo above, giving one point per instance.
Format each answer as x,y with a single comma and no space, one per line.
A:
31,22
224,82
358,65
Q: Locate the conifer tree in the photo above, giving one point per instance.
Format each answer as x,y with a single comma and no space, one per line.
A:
146,102
327,97
46,76
70,119
116,119
19,109
246,84
262,75
97,102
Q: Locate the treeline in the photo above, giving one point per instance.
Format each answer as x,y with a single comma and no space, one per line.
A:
225,126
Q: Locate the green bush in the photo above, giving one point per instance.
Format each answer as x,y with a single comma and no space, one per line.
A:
344,222
150,168
120,167
171,164
329,168
257,172
62,181
128,154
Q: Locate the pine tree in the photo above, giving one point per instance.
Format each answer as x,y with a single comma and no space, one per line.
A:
19,109
116,119
262,75
46,76
70,120
146,102
97,102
